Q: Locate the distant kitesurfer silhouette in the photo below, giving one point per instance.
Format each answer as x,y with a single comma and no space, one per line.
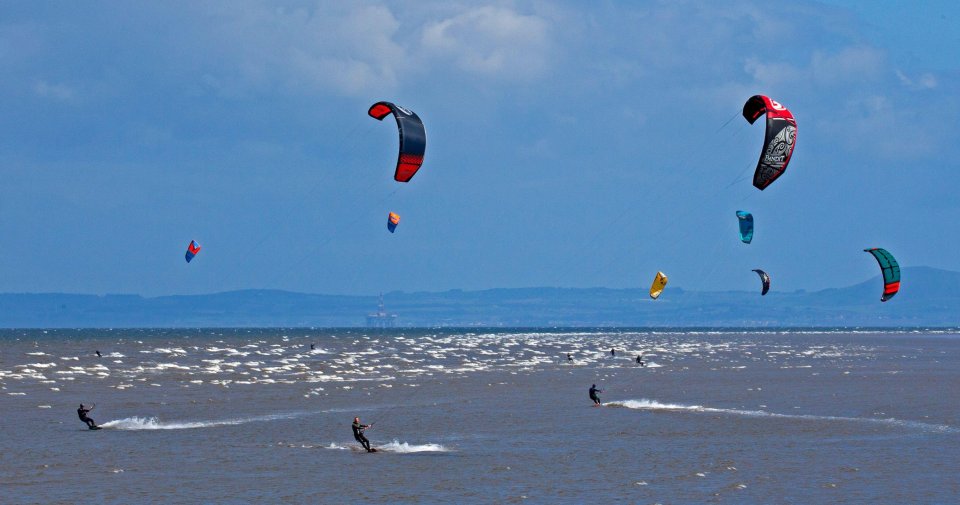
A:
358,434
593,395
82,412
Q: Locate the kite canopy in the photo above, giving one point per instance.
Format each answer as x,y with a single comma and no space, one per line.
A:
658,284
413,138
192,250
392,221
765,279
890,269
746,226
780,138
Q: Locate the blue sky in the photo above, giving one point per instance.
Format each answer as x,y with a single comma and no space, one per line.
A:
569,144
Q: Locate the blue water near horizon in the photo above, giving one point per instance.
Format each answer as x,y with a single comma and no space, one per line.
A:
482,415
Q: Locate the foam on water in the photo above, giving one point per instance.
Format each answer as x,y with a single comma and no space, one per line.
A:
364,362
152,423
404,447
645,404
395,446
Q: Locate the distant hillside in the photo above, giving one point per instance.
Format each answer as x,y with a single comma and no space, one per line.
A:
930,297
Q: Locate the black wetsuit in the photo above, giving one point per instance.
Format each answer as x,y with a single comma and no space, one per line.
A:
593,394
358,435
639,361
82,412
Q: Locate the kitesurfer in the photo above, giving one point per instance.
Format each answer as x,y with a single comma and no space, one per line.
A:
569,358
640,360
99,355
83,411
593,395
312,347
358,434
613,352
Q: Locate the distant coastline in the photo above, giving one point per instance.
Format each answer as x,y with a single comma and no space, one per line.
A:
930,299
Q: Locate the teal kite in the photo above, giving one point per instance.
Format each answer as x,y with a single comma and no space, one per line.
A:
746,226
890,269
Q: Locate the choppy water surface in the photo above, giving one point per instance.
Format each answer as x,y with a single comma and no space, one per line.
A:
240,416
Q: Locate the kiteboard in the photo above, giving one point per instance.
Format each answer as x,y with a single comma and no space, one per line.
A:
96,428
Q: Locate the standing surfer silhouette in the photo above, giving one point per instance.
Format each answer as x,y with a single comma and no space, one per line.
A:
593,395
358,434
83,411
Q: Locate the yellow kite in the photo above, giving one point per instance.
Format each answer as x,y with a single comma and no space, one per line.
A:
658,284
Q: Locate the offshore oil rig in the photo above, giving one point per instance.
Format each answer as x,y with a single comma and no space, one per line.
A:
380,318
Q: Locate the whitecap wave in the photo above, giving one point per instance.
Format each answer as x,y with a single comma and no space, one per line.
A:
645,404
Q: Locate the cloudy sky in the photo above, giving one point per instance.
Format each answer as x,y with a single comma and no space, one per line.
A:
572,144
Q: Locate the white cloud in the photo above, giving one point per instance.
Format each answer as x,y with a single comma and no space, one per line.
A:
342,48
920,82
875,124
353,53
772,73
60,92
849,65
491,41
358,49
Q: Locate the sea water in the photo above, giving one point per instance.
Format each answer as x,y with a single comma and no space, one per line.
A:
257,416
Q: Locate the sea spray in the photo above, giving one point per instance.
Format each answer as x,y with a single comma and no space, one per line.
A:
645,404
152,423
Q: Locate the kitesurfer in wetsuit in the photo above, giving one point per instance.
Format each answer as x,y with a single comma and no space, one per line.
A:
358,434
593,395
613,352
83,411
640,360
99,355
569,358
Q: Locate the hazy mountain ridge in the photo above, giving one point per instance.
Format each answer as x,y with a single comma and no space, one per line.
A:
930,297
